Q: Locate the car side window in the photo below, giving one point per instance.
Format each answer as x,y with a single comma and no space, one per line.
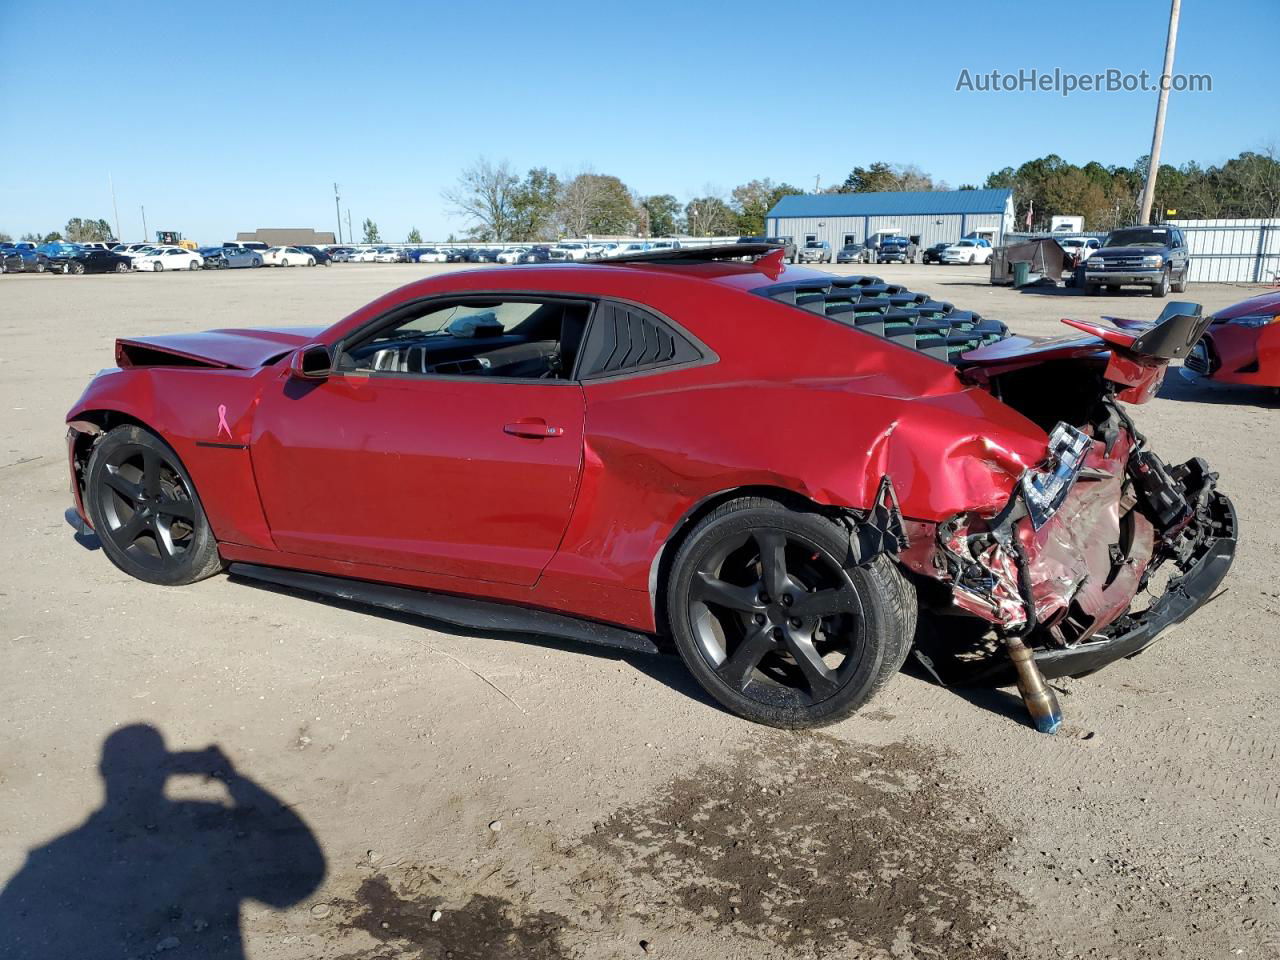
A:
520,338
627,339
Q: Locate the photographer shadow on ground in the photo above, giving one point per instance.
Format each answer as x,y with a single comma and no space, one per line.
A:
145,874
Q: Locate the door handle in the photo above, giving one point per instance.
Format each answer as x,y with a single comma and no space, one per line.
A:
534,428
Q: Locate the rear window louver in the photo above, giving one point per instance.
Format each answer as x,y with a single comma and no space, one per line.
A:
890,311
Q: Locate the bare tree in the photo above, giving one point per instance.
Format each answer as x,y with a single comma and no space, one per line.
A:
486,194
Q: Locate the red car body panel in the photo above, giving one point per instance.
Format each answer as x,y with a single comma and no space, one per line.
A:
1246,354
423,482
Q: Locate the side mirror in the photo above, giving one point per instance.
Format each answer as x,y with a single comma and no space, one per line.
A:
312,362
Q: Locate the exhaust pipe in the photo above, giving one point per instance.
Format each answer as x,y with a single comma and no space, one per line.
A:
1040,699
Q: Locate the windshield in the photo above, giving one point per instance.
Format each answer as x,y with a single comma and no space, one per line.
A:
966,243
1138,237
813,245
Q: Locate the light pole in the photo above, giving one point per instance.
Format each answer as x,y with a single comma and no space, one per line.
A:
144,225
1157,136
337,206
114,209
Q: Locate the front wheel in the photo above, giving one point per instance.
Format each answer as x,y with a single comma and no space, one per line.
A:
772,622
145,510
1161,289
122,267
284,263
193,265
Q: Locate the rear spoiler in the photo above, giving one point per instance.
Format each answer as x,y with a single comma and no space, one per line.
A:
1173,334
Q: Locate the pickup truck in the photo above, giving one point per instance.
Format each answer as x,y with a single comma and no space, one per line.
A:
1154,257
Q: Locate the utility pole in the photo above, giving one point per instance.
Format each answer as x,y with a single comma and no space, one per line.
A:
351,237
817,183
337,206
145,235
1157,136
115,209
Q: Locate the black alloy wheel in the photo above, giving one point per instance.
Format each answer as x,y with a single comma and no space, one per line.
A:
773,624
145,511
76,267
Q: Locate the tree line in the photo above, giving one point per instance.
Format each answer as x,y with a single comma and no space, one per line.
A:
501,205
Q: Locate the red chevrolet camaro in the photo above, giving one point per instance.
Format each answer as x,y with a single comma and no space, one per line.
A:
772,468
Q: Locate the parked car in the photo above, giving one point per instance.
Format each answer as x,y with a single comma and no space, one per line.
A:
966,251
96,260
387,255
896,250
321,257
58,253
511,254
133,249
569,250
815,251
24,258
933,254
340,254
538,253
430,255
852,253
780,561
287,257
1242,345
1079,249
455,255
628,248
1153,257
364,255
159,259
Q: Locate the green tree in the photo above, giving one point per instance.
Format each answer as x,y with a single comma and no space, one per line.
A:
485,195
414,236
79,230
709,217
53,237
30,237
751,201
5,238
533,206
882,176
597,204
662,211
371,232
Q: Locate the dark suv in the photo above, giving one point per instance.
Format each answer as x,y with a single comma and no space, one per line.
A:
1154,257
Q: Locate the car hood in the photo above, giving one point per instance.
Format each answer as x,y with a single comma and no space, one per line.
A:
1266,303
1131,251
235,349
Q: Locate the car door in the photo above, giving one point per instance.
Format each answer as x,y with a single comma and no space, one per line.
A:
465,476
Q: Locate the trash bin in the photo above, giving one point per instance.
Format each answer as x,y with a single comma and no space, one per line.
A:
1021,272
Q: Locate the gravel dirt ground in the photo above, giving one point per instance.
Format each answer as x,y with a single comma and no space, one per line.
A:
475,797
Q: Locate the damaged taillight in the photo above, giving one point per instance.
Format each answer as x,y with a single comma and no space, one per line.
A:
1045,488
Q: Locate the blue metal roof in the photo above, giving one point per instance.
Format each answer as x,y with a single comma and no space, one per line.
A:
891,203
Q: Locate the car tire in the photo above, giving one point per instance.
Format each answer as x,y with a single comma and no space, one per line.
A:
40,267
1180,285
750,650
1161,289
1092,289
193,265
284,263
157,267
76,268
145,511
122,267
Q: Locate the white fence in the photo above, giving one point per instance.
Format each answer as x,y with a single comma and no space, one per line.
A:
1233,251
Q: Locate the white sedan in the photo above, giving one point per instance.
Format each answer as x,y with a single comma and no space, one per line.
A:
430,255
512,254
287,257
168,258
966,251
364,256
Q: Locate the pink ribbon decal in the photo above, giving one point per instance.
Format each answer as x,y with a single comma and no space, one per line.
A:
222,420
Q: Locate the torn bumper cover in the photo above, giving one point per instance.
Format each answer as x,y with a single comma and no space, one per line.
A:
1080,540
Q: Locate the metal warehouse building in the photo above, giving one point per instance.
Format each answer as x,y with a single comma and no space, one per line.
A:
934,216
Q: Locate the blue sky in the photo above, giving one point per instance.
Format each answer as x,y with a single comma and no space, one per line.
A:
226,117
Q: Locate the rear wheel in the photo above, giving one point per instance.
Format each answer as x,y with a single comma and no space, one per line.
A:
145,510
1180,285
158,267
122,267
775,626
284,263
40,266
